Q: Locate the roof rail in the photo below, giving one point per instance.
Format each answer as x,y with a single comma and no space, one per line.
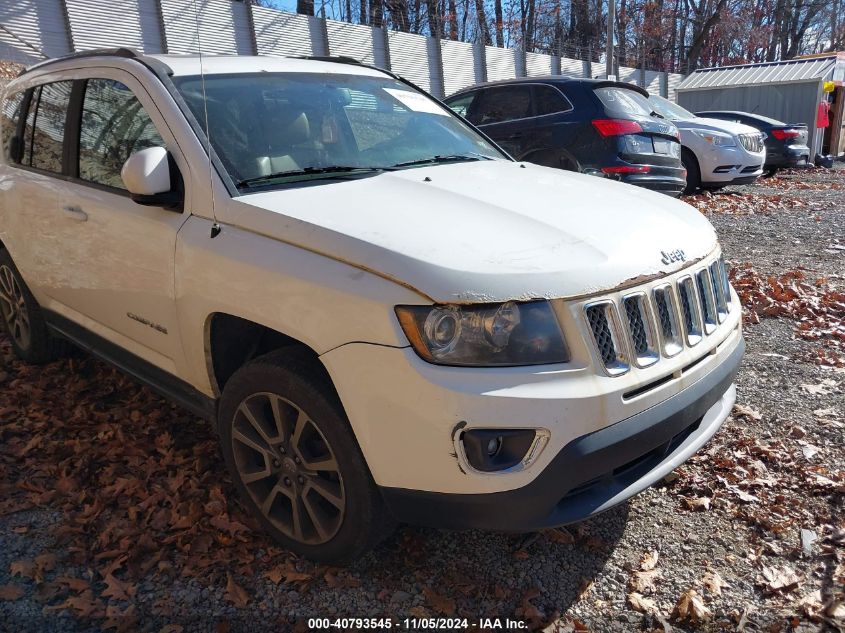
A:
338,59
123,51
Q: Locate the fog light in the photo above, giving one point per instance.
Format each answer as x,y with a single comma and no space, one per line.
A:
489,450
494,445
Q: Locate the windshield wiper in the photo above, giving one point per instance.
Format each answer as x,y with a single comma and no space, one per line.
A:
443,158
332,170
655,113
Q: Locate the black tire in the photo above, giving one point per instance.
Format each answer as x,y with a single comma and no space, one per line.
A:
22,320
770,172
293,379
693,172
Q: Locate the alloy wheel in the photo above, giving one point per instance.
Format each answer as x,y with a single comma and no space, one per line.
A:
288,467
13,308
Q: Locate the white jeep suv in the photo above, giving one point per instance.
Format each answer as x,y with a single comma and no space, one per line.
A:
715,153
386,317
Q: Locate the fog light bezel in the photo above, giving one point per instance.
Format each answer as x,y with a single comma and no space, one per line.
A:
471,448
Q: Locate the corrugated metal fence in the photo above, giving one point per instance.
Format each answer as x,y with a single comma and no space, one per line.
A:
31,30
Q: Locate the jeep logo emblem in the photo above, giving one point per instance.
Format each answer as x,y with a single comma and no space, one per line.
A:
673,256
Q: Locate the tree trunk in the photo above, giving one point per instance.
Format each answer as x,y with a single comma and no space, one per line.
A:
453,20
376,14
500,25
483,27
433,18
399,14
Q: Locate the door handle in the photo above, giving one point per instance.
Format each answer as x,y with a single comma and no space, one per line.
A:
515,136
75,213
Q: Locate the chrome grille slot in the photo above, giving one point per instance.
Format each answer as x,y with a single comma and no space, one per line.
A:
718,291
689,307
726,283
606,334
706,300
640,331
670,328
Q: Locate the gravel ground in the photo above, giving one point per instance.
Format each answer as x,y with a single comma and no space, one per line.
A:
79,552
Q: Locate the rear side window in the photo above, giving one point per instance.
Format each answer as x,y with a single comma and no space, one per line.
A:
9,118
461,105
622,102
48,134
548,100
114,126
503,104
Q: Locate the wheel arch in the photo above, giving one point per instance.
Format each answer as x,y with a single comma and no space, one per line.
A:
232,341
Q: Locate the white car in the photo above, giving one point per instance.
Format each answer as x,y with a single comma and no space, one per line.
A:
715,153
386,317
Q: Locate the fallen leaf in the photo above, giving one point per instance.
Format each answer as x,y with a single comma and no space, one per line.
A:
697,503
24,568
117,589
713,582
560,535
821,389
780,579
691,608
745,410
74,584
235,593
439,603
10,593
643,581
649,561
171,628
286,573
640,603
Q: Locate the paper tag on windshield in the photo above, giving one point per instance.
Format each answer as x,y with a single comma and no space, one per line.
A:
416,102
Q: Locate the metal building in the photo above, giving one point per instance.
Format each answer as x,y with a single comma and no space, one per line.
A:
789,91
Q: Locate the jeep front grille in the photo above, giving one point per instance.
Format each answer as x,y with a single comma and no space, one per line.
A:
641,328
607,336
752,142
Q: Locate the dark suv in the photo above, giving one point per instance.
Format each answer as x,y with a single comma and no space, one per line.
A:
604,128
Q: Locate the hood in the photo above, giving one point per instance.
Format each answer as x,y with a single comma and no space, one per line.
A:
716,125
485,231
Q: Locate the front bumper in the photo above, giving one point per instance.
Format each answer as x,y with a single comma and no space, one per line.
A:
729,165
594,472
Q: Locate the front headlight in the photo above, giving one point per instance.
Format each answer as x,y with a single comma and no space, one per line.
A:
487,335
716,138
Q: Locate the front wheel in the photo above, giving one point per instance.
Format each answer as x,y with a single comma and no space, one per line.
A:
690,163
295,462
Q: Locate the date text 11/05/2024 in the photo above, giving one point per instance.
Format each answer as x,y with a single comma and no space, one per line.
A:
418,624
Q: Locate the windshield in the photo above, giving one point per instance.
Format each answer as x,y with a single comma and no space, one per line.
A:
669,110
295,125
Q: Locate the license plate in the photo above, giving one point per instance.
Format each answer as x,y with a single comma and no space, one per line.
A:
661,146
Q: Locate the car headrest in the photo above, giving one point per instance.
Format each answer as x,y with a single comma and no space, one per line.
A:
298,130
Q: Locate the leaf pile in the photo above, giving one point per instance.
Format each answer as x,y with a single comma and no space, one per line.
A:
786,500
815,305
141,488
803,184
746,203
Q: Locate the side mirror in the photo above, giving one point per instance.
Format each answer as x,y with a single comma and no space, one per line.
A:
149,176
